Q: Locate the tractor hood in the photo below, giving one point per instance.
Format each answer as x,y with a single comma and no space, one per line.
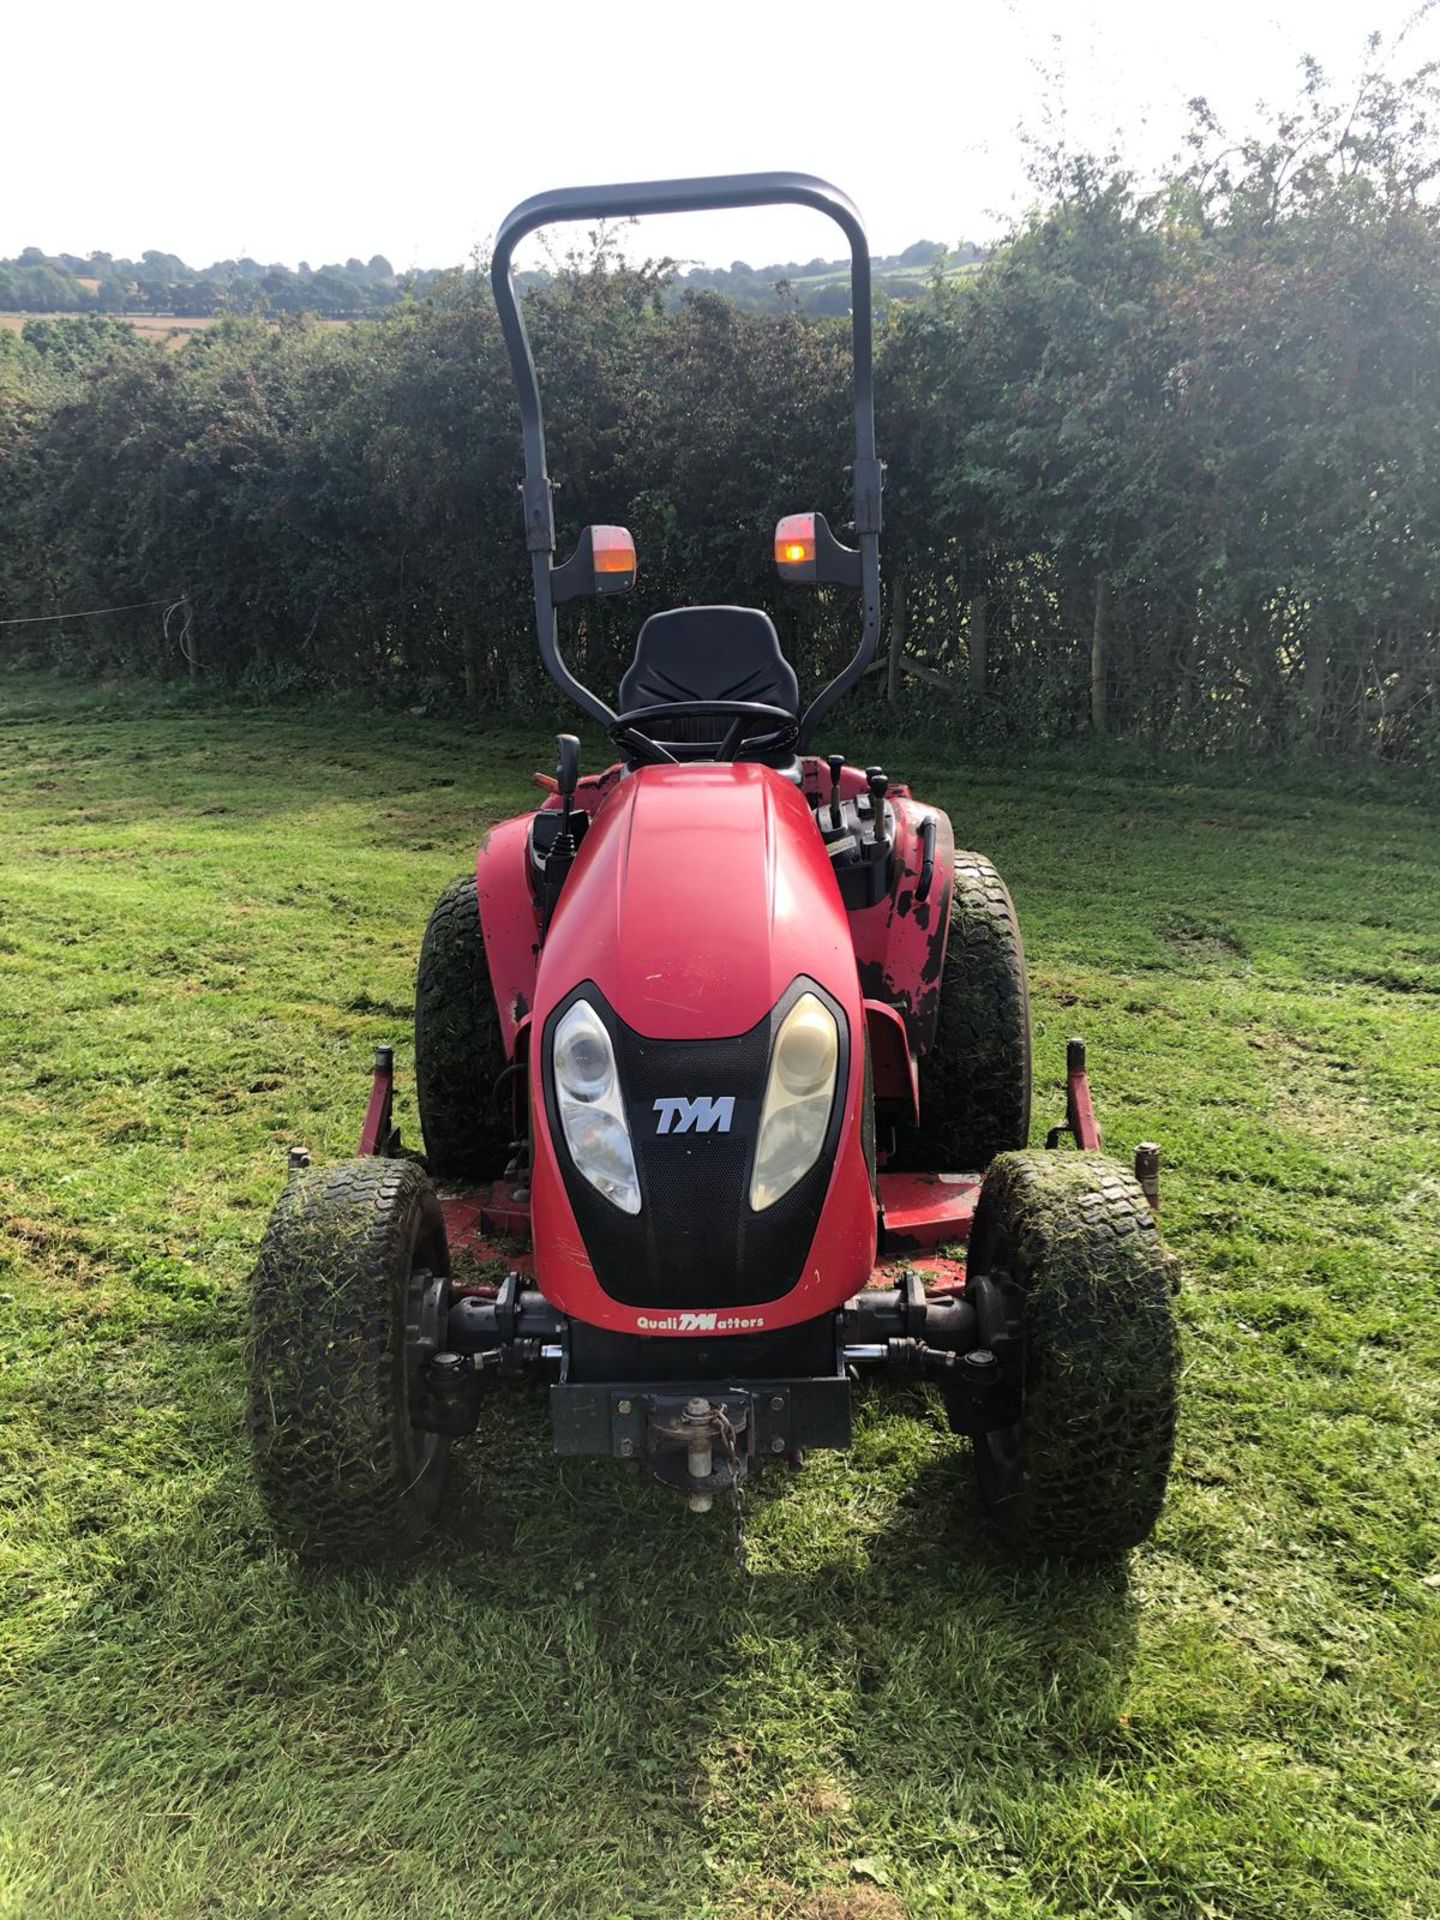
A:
701,905
699,894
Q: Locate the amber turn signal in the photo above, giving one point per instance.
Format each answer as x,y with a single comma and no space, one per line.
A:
613,550
795,547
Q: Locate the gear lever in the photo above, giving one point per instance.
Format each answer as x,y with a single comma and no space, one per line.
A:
836,763
877,780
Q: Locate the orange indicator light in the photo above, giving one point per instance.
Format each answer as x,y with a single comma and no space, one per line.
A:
795,546
613,550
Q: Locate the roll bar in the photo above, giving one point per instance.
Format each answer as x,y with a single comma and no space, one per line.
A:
690,196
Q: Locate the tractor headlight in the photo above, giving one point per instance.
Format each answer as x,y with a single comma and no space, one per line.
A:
799,1097
592,1117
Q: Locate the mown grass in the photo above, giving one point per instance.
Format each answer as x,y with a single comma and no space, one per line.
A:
572,1704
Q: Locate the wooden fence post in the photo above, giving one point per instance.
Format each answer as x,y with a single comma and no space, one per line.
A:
1316,674
897,636
979,644
1099,651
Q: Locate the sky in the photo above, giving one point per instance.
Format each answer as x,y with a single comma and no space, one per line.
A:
288,130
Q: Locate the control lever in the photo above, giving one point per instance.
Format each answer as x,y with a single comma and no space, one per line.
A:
567,775
877,780
561,856
836,763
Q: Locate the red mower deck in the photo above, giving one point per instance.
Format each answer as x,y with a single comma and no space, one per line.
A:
919,1213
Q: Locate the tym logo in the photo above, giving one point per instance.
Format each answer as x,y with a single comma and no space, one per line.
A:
705,1115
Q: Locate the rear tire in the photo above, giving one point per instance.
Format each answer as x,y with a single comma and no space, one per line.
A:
1082,1473
459,1054
975,1078
348,1302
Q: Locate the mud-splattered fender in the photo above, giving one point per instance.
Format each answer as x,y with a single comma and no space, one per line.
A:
900,942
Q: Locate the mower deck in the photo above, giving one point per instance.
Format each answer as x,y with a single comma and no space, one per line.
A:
920,1213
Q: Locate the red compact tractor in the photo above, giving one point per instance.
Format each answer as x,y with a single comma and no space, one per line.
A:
729,1048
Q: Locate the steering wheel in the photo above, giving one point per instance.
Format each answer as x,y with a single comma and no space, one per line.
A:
745,717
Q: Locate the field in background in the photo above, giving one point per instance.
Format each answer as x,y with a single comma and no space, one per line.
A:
572,1704
145,323
909,282
150,325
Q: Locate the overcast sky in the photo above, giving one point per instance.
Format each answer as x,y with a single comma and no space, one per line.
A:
288,131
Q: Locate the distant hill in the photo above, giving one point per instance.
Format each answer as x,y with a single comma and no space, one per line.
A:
38,282
823,286
161,283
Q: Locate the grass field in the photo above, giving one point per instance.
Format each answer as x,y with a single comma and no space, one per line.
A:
156,326
572,1704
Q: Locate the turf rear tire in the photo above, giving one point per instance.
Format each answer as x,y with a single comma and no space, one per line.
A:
348,1299
1083,1472
975,1078
459,1054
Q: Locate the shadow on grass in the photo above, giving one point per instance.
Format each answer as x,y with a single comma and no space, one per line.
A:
580,1658
875,1604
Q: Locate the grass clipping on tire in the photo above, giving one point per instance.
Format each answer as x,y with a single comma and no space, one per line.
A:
1102,1356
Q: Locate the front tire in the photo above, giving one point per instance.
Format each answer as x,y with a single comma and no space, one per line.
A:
1082,1473
350,1295
975,1078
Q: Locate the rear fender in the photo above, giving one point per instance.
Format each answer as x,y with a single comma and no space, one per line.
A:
900,944
508,916
509,923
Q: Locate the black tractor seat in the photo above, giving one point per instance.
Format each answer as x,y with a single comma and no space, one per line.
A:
709,653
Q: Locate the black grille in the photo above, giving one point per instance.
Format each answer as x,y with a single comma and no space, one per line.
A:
695,1241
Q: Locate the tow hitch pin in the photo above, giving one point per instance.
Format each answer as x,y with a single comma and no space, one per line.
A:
698,1455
